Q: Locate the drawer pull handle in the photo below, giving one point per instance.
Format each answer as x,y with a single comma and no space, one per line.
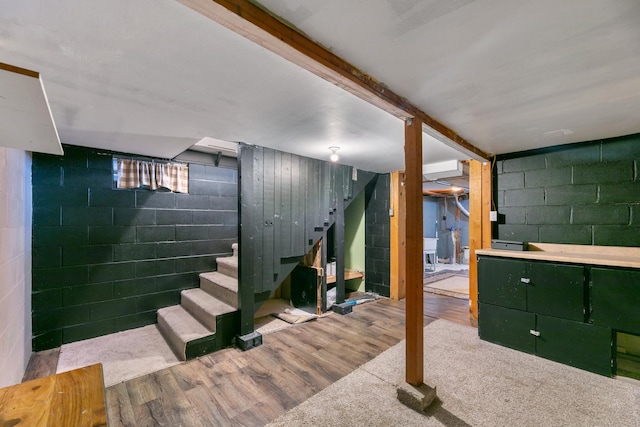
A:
534,333
525,280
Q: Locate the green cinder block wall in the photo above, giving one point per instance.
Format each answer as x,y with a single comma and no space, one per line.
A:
104,260
586,193
378,236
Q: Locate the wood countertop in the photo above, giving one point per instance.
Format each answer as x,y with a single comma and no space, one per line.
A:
74,398
611,256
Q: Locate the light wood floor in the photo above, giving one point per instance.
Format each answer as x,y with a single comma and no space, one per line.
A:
231,387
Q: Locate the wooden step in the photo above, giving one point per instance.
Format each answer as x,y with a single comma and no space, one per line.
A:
204,307
221,286
179,328
228,266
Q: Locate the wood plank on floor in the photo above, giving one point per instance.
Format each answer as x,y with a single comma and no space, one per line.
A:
232,387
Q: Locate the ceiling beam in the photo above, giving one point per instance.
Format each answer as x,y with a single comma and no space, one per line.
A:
260,26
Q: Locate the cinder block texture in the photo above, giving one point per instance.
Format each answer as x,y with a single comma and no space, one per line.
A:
104,259
586,193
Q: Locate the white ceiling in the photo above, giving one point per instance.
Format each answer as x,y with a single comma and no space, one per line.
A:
153,77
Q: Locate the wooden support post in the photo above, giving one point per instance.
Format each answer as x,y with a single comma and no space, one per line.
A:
323,264
413,247
479,226
339,239
398,230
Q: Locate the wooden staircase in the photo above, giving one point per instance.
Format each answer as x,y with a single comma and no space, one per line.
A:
206,319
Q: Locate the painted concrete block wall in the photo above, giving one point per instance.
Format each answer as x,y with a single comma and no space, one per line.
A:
354,241
378,236
15,265
446,216
429,217
104,260
587,193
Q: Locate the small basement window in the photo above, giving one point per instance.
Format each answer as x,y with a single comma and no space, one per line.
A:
150,174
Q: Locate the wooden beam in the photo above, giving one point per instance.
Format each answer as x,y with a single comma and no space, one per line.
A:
260,26
19,70
397,234
413,238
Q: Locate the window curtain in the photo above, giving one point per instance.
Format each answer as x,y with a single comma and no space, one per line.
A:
152,175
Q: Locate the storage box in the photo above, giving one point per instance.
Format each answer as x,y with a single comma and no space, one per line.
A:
509,245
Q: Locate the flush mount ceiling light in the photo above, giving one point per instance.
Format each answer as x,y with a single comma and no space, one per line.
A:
334,154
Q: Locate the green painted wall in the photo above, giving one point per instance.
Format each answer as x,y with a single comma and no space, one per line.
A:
586,193
354,242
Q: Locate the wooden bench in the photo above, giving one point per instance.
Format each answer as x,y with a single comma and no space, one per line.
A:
74,398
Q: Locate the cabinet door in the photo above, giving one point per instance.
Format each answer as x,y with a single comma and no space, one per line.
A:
576,344
500,282
506,327
615,299
556,290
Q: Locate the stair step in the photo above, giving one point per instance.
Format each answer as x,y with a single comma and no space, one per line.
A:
204,307
221,286
179,327
228,266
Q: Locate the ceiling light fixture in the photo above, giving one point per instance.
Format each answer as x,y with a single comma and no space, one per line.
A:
334,155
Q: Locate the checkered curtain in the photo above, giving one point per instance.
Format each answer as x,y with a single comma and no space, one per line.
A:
152,175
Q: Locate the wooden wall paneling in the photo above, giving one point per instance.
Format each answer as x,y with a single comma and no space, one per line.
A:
277,214
413,238
297,207
286,200
247,250
325,193
258,223
268,219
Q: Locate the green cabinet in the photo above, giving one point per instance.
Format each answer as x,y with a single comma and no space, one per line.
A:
541,308
507,327
576,344
500,282
546,288
615,299
569,342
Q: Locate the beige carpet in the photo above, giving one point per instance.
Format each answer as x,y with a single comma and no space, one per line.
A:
478,384
277,314
454,286
124,355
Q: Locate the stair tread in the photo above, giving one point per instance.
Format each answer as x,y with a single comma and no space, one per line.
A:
206,301
229,260
227,282
183,324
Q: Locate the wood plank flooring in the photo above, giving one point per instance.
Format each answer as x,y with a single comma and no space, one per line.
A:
231,387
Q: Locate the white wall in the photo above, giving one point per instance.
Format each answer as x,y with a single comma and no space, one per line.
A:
15,264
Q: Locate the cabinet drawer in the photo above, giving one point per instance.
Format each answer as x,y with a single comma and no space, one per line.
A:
615,299
507,327
556,290
499,282
576,344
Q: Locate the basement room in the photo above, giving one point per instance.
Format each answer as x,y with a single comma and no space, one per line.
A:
286,213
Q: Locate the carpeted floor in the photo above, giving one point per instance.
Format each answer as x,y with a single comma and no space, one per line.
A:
124,355
478,384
